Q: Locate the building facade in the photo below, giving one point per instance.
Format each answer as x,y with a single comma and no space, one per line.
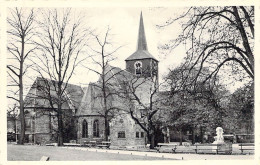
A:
83,108
123,130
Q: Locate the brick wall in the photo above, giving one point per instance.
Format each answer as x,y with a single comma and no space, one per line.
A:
90,121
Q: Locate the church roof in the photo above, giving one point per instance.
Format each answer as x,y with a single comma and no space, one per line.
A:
140,54
38,94
142,51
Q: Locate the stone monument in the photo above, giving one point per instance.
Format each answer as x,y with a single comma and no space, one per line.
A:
219,139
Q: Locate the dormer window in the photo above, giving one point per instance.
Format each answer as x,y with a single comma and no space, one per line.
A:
138,68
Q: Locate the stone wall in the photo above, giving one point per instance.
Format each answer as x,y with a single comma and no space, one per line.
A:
42,123
126,124
42,138
90,121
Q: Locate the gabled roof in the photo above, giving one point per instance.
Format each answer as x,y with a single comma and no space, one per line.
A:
116,79
115,75
37,95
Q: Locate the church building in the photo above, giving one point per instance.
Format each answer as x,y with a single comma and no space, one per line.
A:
124,131
84,107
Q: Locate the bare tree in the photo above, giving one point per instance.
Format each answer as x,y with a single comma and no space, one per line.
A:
20,34
102,56
142,101
61,42
218,37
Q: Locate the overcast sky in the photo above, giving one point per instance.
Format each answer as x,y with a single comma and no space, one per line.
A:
124,24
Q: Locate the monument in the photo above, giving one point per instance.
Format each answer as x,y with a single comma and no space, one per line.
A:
219,139
221,146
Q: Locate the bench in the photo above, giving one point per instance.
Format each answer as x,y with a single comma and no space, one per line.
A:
71,144
171,146
92,144
185,148
104,144
214,148
246,146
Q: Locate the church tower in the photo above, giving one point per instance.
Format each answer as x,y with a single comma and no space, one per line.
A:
141,63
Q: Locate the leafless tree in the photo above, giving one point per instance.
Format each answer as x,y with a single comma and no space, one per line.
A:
61,41
101,57
218,37
142,101
20,35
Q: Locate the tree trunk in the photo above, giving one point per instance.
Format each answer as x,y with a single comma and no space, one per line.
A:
60,128
201,134
193,135
151,140
59,113
180,136
244,38
21,101
106,128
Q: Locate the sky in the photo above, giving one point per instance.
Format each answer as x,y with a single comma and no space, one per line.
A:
124,25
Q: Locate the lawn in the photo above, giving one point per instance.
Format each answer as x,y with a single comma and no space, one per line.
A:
34,153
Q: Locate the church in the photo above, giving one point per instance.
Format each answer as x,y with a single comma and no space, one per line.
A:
123,130
84,107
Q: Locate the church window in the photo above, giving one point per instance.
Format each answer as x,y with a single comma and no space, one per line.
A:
96,128
121,134
137,134
138,68
84,129
142,134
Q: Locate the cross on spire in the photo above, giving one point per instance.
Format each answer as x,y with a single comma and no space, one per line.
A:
142,45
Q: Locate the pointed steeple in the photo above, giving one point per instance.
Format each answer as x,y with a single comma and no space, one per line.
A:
142,45
142,51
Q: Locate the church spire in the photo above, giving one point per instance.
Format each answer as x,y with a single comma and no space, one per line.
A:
142,45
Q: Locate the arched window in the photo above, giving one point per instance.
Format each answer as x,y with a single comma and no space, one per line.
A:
138,68
96,129
84,129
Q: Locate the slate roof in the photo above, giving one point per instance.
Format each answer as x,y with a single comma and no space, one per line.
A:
92,100
36,96
140,54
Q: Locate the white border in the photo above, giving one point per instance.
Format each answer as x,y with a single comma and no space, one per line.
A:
121,3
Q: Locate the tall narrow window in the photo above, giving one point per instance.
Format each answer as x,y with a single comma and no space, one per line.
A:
137,134
84,129
96,128
142,134
138,68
